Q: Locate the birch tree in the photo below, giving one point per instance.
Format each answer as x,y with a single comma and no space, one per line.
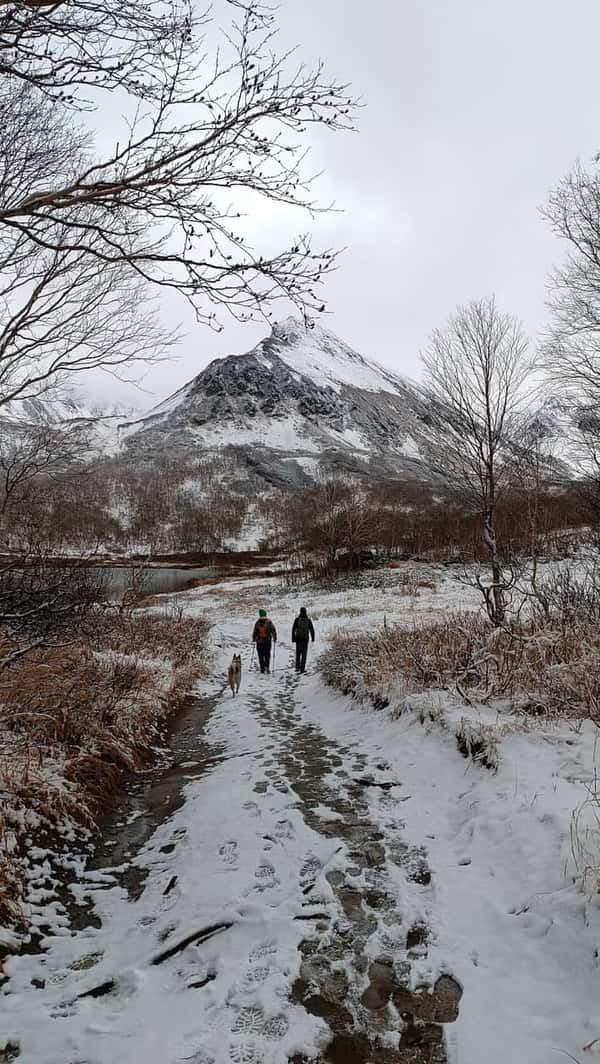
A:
476,371
572,352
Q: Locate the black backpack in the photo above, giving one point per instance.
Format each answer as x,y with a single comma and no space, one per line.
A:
302,627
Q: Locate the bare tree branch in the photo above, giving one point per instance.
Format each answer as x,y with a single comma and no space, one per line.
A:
166,198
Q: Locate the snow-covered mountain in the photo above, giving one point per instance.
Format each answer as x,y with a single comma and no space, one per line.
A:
300,395
97,432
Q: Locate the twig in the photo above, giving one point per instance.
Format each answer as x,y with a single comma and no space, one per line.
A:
197,936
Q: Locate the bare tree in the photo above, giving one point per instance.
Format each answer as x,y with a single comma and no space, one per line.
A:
476,369
63,47
574,214
62,311
572,353
330,516
203,129
30,449
43,604
88,227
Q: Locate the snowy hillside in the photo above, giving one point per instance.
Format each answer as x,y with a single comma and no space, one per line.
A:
97,431
300,394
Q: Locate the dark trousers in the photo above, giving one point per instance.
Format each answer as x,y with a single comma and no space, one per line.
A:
301,650
264,654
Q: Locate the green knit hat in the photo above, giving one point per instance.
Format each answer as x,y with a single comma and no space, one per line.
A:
262,613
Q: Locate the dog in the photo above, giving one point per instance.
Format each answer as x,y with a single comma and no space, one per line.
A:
234,675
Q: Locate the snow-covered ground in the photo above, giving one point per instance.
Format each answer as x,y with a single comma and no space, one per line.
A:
366,835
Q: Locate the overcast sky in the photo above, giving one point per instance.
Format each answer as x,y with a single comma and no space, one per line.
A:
472,112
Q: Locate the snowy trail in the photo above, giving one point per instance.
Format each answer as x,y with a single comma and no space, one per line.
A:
276,841
347,859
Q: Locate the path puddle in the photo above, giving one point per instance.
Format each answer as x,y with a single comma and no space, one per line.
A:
151,797
145,800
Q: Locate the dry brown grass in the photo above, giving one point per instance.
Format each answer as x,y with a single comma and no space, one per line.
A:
421,657
73,719
541,669
151,635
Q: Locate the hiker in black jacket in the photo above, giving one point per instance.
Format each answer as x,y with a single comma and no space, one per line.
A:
301,630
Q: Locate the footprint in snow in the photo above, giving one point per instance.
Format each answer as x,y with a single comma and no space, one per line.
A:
310,870
64,1010
255,976
251,808
263,950
245,1053
265,874
228,852
249,1020
284,829
276,1027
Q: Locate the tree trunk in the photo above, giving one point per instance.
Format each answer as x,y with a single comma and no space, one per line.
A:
496,606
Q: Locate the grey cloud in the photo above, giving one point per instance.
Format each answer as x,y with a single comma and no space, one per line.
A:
473,111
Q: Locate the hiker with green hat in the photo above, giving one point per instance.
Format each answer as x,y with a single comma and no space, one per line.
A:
263,635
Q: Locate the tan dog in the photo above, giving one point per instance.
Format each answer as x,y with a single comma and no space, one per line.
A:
234,674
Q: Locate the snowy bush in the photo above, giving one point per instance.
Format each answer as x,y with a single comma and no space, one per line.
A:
410,659
407,580
539,668
479,742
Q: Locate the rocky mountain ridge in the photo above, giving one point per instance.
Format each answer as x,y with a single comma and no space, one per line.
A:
300,396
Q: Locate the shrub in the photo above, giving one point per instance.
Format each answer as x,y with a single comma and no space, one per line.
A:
479,742
541,668
73,719
416,658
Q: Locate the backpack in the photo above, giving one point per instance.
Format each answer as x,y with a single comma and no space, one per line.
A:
302,628
262,631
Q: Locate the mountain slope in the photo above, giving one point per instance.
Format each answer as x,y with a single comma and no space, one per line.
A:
299,395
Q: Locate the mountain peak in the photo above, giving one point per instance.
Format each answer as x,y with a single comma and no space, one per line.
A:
300,393
318,354
290,328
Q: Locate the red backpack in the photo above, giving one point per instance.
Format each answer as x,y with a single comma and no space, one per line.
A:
262,631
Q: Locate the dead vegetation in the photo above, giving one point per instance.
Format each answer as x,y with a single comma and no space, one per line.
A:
72,719
544,664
